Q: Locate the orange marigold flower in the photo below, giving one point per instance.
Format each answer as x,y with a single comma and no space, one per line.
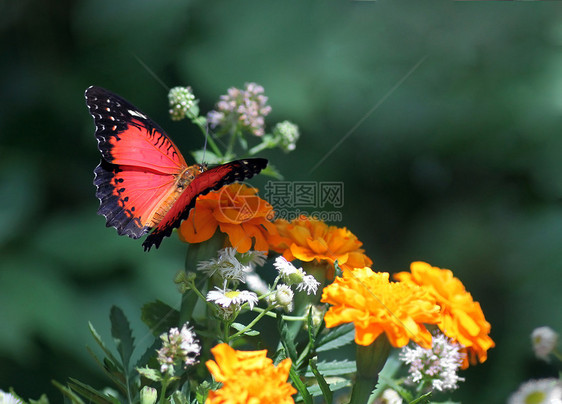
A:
237,211
376,305
462,318
248,377
308,239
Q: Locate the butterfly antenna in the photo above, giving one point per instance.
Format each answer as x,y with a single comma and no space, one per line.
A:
151,72
205,144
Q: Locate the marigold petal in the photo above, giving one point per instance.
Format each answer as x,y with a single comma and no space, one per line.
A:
237,236
199,226
462,318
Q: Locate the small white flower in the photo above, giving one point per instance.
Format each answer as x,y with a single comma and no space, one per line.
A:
9,398
232,298
292,275
544,341
178,347
226,266
543,391
308,283
437,366
253,258
389,396
284,267
283,297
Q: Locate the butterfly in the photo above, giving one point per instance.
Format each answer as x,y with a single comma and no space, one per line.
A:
143,182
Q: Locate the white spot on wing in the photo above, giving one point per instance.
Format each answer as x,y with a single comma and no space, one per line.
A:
136,113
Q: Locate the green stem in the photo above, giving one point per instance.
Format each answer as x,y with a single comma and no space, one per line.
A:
274,315
370,361
249,326
163,392
230,147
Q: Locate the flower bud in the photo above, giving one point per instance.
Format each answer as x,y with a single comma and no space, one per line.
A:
182,103
148,395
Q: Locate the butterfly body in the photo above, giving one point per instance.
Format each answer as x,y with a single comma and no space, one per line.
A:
143,182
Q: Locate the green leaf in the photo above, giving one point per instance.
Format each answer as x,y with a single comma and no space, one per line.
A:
151,374
341,383
159,317
240,327
300,386
322,383
148,354
312,331
336,338
178,398
72,396
335,368
42,400
90,393
287,338
121,332
112,371
101,344
425,397
206,156
272,171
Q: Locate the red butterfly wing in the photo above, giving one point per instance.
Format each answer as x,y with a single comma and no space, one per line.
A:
139,164
210,180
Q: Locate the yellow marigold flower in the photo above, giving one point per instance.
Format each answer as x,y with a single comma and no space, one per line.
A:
376,305
309,239
237,211
248,377
462,318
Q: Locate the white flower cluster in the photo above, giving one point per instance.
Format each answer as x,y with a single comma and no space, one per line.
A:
245,107
178,347
230,267
181,100
437,366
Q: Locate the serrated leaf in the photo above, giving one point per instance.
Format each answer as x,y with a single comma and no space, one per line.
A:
336,337
151,374
101,344
240,327
335,368
322,383
159,317
342,384
122,334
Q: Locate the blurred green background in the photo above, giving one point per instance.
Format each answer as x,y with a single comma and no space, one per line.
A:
459,165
